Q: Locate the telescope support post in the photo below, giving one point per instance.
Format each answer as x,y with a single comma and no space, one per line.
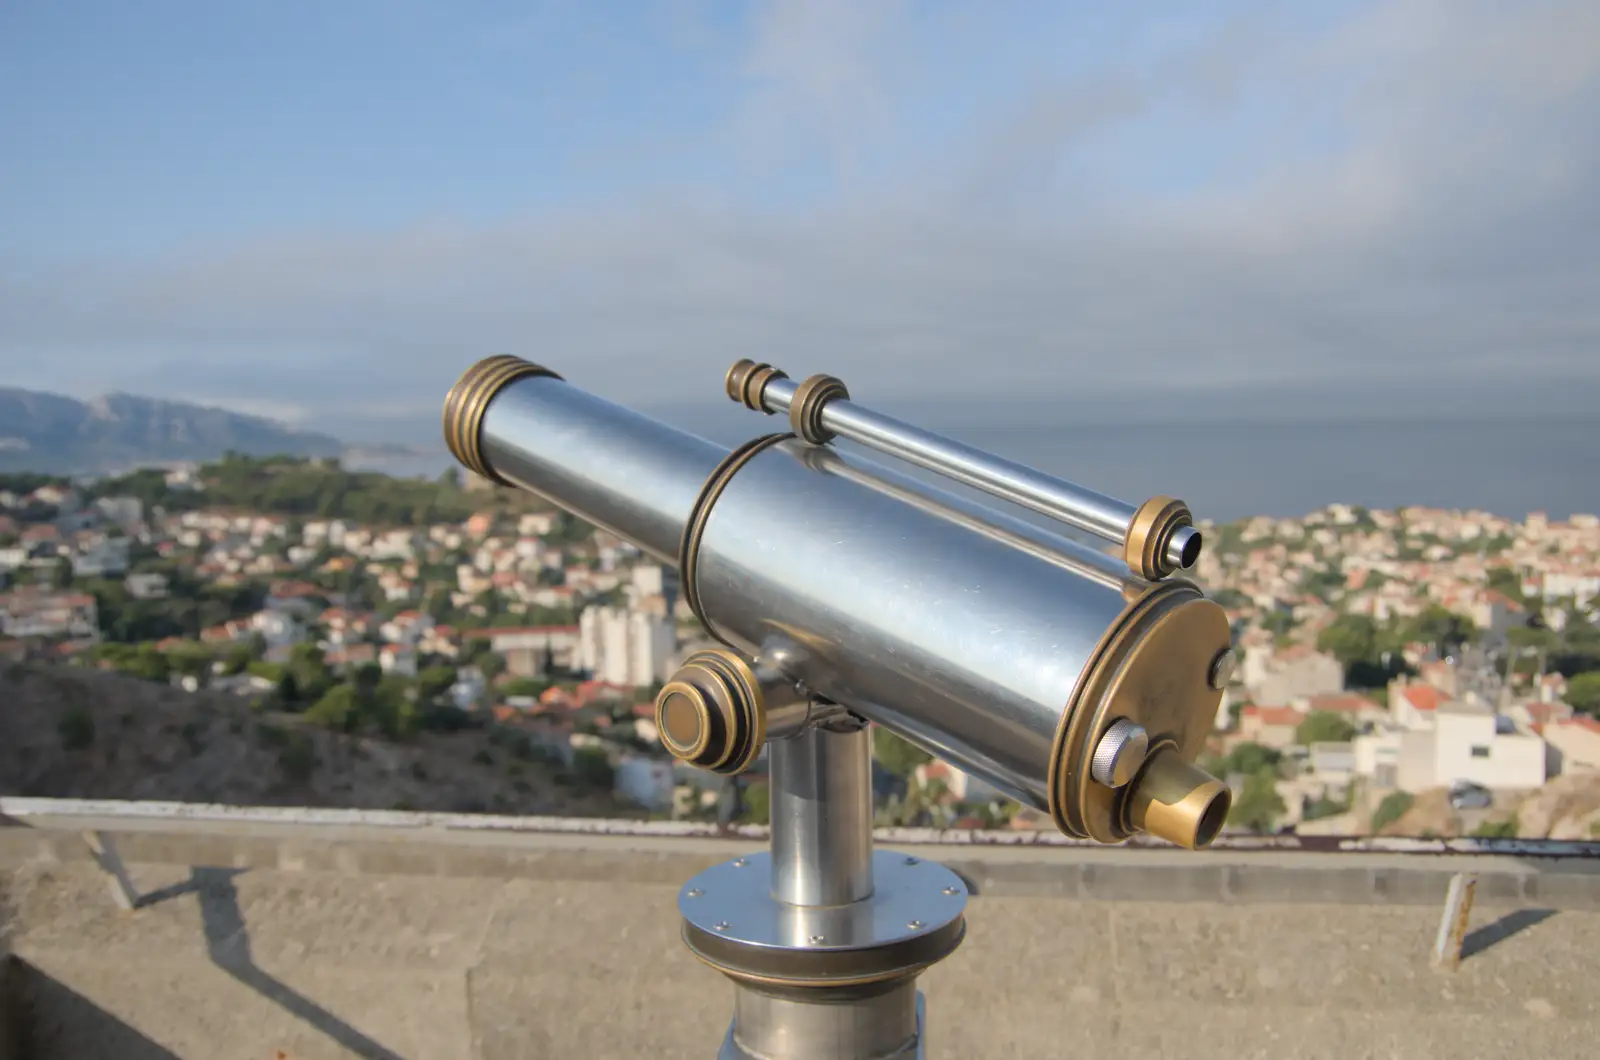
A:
823,937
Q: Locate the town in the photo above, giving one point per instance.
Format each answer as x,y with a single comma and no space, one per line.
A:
1418,672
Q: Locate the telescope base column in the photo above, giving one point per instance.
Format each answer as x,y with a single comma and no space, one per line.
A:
889,1026
824,982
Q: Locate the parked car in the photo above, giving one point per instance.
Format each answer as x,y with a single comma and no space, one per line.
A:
1465,795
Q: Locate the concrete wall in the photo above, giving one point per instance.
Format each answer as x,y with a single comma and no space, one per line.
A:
386,940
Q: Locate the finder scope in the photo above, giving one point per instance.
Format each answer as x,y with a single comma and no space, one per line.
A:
1079,681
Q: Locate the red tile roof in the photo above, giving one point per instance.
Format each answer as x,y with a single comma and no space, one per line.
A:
1423,697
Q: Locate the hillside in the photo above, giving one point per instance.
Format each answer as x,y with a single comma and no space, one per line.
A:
61,435
152,741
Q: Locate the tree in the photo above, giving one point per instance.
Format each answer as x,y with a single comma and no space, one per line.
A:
897,755
435,681
593,769
490,664
1535,637
77,729
1443,629
758,804
1583,693
1249,759
1324,726
1507,582
1259,805
1391,809
339,709
1350,639
308,668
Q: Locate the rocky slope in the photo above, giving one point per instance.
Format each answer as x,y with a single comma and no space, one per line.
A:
151,741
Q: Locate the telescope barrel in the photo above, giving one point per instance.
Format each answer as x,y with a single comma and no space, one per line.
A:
821,409
1029,661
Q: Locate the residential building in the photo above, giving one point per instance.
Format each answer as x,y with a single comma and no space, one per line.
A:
146,585
33,611
1574,745
629,648
649,782
1466,741
104,558
1413,705
528,650
397,660
1269,726
1277,677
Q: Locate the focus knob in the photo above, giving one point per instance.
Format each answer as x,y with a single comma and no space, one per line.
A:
712,714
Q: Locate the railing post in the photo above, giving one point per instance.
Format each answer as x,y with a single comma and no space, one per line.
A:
1453,924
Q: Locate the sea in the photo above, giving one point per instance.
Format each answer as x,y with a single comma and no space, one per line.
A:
1232,470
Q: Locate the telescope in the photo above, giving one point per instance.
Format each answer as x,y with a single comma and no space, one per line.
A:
842,592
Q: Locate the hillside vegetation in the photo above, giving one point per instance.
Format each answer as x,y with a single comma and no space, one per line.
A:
81,733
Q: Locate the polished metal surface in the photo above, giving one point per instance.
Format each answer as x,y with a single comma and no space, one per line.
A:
1074,505
910,898
960,642
885,1026
821,839
1084,560
1222,669
619,470
1120,753
1184,548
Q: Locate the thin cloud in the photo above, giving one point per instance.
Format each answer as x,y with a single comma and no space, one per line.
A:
1439,223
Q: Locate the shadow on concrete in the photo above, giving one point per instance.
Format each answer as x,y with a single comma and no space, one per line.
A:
228,944
47,1019
1520,920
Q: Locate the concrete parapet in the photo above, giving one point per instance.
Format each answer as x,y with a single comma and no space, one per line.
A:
388,844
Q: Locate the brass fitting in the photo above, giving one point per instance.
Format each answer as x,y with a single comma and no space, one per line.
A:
469,399
712,713
1150,532
1151,671
747,379
1177,801
805,411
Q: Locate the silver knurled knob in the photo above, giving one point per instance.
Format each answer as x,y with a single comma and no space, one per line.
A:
1119,754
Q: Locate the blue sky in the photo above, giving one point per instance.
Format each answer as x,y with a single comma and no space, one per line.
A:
325,210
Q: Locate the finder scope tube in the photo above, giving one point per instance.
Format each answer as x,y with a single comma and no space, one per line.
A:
838,586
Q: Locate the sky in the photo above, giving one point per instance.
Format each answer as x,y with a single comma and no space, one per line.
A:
325,211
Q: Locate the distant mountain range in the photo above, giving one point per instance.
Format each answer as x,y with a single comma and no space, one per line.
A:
61,435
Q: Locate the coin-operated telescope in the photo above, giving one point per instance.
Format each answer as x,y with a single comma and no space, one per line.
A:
841,592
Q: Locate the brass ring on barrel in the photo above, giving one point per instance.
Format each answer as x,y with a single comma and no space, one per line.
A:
469,399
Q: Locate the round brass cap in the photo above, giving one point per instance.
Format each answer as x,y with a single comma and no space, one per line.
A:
1152,671
469,399
711,713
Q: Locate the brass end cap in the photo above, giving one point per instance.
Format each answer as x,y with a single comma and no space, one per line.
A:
1177,801
711,714
469,399
805,410
746,381
1152,669
1150,532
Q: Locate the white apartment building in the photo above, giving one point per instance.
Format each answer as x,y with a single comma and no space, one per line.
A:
625,647
1466,742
